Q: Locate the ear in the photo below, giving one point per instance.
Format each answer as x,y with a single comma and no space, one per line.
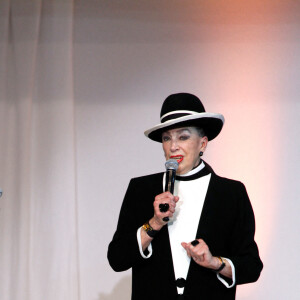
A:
203,143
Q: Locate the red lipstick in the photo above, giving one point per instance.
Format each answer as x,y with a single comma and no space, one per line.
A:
179,158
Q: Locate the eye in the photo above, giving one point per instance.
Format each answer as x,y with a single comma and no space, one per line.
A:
184,137
165,138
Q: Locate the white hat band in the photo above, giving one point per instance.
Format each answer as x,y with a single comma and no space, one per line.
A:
189,112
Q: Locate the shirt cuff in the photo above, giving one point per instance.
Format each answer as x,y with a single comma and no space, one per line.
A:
233,275
138,235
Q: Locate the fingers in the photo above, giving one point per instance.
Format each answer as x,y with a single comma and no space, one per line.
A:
176,199
185,246
198,251
164,206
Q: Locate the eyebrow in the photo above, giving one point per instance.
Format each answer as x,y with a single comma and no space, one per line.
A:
178,131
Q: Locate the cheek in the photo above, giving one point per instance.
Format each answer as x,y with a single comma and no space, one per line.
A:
164,149
194,152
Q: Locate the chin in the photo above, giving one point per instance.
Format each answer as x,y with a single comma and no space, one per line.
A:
180,171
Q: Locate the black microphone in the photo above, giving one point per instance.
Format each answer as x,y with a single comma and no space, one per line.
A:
171,168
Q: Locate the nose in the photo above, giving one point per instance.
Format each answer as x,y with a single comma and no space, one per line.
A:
174,145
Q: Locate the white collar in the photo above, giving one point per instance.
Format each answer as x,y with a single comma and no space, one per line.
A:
194,171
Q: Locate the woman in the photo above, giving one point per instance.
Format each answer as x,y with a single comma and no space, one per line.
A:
207,247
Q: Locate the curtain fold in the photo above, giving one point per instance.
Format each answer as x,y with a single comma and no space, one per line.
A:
38,210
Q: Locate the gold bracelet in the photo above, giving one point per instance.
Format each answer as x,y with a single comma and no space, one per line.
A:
222,265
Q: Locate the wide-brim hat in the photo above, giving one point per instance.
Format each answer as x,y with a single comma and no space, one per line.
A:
185,110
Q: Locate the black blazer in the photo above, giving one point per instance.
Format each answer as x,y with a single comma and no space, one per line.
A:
226,225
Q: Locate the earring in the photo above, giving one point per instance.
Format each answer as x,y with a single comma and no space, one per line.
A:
201,153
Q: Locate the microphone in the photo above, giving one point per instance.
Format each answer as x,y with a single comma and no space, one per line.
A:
171,168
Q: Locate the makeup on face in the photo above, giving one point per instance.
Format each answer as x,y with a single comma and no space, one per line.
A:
184,145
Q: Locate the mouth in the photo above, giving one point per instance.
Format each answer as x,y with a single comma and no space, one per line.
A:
179,158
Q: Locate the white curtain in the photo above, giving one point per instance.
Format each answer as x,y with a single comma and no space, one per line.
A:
38,217
79,83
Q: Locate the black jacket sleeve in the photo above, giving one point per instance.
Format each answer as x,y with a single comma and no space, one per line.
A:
137,208
244,249
123,251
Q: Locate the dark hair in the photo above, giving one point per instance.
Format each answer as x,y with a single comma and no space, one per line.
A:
200,131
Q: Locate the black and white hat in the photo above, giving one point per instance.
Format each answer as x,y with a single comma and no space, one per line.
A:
183,110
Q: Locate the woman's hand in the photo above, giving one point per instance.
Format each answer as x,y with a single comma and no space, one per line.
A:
201,254
157,221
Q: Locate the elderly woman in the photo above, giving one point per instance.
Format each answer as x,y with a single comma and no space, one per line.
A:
207,246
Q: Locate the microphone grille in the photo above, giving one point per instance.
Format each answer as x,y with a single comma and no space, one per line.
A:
171,164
